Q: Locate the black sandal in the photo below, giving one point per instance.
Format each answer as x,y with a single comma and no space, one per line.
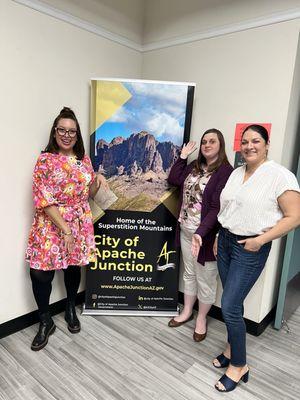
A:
229,384
223,360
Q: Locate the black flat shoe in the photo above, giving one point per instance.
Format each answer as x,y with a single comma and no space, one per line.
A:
71,318
46,328
223,360
229,384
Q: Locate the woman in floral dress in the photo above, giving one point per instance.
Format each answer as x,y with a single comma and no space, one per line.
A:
62,235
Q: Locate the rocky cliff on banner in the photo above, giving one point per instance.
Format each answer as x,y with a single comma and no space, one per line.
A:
137,169
136,155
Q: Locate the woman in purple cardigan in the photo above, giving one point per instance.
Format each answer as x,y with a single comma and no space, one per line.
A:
201,183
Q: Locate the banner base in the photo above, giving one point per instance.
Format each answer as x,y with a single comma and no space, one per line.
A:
129,313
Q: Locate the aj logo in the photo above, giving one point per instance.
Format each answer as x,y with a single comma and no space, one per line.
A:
165,253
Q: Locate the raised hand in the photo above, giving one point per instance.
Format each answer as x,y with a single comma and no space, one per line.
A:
187,149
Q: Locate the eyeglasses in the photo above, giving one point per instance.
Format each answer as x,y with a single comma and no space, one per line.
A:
62,132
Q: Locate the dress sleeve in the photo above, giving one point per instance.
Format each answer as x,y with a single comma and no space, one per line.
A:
42,186
286,181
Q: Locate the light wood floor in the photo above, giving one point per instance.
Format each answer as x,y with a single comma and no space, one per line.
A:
141,358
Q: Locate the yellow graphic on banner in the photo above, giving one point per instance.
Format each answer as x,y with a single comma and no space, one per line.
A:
170,200
107,98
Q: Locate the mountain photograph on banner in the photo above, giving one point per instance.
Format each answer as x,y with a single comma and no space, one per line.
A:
138,131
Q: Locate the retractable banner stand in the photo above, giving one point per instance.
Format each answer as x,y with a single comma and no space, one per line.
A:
137,130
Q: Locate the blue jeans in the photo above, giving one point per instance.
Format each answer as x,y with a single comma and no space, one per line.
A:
239,269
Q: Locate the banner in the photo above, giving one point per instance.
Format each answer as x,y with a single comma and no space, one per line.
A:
138,128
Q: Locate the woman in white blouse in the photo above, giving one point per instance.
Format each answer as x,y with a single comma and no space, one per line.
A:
260,202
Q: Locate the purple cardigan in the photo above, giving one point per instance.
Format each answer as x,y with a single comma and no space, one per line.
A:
209,225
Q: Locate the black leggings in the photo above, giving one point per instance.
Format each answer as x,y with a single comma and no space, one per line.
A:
42,285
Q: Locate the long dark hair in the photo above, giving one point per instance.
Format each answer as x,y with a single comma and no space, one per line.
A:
222,157
52,146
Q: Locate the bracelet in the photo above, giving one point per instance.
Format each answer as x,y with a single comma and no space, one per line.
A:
68,233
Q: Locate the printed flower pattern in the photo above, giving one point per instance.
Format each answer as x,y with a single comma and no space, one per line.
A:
64,182
194,185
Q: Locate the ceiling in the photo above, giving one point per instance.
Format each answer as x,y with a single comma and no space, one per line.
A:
148,24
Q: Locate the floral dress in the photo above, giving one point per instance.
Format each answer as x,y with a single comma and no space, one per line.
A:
64,182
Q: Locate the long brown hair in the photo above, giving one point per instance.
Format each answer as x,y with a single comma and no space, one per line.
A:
52,146
222,157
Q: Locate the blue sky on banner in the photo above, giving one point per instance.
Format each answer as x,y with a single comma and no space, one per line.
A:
156,108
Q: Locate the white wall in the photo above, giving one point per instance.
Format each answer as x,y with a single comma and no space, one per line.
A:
123,17
292,133
169,19
242,77
290,156
45,64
